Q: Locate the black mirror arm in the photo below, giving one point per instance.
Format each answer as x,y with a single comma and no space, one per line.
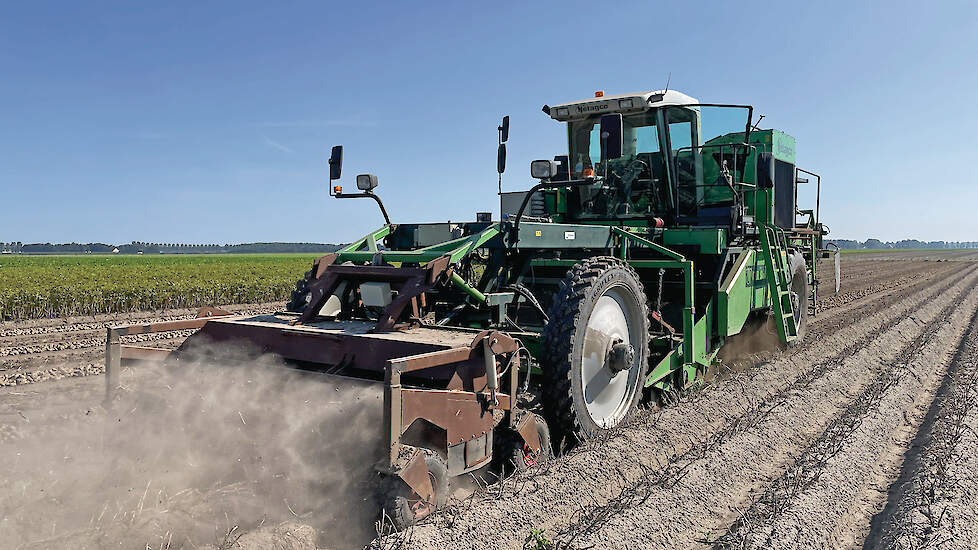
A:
362,195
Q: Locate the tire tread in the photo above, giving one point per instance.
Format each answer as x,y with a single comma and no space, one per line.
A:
559,337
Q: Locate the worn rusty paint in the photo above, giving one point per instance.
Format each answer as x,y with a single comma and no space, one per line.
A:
463,415
527,428
444,357
415,475
144,353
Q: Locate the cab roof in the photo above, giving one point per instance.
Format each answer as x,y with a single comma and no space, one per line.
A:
640,101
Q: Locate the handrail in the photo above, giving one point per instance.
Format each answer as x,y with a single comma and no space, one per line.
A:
749,150
818,190
539,187
369,240
645,242
461,248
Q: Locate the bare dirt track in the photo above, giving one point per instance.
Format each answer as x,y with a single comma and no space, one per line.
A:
862,437
802,450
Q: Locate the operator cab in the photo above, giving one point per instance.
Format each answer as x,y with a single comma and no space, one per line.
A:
664,170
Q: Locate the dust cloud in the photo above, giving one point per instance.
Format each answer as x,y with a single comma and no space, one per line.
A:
757,337
197,454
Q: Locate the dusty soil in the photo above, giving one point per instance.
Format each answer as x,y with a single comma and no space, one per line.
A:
863,436
802,449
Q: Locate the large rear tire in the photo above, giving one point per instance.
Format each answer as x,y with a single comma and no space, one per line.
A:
595,349
799,295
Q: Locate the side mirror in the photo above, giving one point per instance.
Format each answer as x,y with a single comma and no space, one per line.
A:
543,169
563,171
336,163
366,182
611,136
501,158
504,130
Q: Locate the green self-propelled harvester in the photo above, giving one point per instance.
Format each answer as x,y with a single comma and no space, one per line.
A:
667,227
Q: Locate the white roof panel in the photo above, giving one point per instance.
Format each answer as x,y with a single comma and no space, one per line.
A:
640,101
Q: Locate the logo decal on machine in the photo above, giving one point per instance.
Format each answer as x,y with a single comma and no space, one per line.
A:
591,108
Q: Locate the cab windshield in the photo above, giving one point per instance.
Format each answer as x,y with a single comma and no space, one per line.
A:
633,185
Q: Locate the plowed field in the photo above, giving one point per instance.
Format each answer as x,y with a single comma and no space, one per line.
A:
864,436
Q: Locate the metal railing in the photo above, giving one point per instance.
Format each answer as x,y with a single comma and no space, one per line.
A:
734,175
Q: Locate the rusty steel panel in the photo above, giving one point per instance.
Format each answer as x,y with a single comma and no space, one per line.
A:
406,292
320,265
499,342
144,353
462,415
333,348
204,315
478,451
431,359
527,428
415,475
320,289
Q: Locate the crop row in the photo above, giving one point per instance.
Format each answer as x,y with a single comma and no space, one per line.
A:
60,286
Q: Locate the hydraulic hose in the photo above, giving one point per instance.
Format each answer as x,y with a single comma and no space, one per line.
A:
526,293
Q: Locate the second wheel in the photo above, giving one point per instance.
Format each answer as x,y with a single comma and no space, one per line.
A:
595,348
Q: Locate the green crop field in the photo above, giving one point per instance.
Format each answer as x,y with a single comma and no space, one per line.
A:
57,286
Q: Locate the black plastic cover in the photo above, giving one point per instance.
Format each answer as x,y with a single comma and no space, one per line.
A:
784,194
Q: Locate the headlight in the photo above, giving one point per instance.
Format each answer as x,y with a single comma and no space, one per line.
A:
366,182
543,169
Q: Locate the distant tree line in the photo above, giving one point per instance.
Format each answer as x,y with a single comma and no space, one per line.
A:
906,244
137,247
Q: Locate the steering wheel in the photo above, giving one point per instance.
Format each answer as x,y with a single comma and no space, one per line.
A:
632,170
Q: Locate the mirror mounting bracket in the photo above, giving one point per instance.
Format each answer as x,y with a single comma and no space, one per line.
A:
366,194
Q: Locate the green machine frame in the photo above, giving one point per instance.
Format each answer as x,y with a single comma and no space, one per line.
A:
751,275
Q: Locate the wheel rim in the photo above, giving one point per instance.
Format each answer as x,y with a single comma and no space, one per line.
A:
608,394
797,289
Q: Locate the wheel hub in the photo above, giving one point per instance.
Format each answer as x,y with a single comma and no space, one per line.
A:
620,357
529,457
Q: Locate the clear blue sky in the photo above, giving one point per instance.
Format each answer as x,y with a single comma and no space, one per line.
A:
211,122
